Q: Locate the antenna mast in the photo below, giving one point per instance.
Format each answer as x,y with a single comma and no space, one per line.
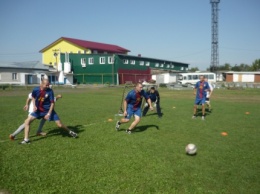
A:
214,35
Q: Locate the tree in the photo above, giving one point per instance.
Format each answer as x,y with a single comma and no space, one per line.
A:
256,65
193,69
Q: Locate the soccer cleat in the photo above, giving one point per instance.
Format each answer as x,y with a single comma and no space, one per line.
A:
193,117
25,142
11,137
117,126
203,118
128,131
41,134
73,134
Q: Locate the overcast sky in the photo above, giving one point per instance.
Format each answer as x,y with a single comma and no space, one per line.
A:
178,30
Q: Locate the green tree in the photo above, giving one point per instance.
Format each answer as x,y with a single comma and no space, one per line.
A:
193,69
256,65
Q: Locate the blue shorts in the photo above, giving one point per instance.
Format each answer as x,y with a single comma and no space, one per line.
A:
199,101
40,115
130,112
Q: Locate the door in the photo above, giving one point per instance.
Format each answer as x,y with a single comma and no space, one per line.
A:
30,79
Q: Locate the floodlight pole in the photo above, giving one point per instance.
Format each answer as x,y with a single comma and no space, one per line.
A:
214,36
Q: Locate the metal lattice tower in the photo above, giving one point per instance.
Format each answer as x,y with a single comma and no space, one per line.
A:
214,35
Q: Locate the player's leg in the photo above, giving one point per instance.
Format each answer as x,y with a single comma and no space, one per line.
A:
39,130
137,115
54,117
146,108
209,106
125,119
18,130
27,123
158,109
203,108
195,107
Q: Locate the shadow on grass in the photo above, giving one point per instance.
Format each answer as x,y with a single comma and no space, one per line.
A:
152,114
61,132
144,128
207,112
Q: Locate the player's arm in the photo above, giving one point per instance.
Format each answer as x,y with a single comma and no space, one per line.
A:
57,97
26,104
125,107
211,90
34,106
150,103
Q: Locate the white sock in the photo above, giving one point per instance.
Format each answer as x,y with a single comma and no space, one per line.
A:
19,130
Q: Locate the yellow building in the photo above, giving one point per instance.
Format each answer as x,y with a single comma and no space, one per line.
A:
51,53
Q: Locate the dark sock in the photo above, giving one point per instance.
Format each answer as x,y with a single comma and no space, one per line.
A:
119,123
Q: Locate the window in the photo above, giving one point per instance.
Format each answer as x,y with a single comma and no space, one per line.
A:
125,61
102,60
132,62
157,64
189,77
95,51
91,61
172,66
110,60
14,76
161,65
185,77
195,77
147,63
142,63
211,76
83,62
168,66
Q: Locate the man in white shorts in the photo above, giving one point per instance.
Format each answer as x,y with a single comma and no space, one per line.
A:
209,93
29,104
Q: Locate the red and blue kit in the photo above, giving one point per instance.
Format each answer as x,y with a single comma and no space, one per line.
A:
134,101
43,101
202,88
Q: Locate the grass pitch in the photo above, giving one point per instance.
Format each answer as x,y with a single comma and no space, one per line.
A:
151,160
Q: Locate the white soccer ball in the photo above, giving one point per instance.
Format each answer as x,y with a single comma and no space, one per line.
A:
191,149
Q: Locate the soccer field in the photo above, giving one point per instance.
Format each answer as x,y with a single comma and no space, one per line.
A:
151,160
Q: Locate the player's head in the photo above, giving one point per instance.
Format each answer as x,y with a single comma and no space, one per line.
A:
139,86
202,78
152,89
44,84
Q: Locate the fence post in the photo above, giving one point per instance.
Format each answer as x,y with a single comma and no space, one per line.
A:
102,78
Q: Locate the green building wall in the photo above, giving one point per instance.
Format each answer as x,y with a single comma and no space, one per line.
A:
108,73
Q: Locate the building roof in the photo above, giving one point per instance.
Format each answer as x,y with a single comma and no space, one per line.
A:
155,59
89,45
242,72
33,65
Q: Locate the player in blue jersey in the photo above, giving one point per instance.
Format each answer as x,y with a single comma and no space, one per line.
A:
43,103
132,107
155,98
200,90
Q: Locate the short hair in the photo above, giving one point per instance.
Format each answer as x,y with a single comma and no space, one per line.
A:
138,83
152,88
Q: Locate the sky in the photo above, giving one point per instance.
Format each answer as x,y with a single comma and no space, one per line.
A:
177,30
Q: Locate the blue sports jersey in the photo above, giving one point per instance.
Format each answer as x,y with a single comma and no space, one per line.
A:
134,99
43,99
154,96
202,88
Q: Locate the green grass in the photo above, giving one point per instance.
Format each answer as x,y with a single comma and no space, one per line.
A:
152,160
